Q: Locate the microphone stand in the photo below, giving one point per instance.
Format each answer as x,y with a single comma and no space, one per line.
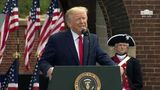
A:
87,33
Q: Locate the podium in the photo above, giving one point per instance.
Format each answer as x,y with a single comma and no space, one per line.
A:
85,78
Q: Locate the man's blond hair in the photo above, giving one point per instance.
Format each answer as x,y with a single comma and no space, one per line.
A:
70,12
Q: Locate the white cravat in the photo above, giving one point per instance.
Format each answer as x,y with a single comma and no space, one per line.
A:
121,57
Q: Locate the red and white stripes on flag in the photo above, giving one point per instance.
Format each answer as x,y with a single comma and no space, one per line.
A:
10,24
33,24
54,23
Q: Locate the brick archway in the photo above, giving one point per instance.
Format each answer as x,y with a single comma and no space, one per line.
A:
109,23
116,16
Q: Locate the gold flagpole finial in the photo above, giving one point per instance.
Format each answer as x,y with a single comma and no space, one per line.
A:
16,55
38,55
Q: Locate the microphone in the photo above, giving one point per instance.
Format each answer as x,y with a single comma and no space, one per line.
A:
85,31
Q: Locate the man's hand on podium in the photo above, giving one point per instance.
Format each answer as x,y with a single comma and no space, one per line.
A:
49,72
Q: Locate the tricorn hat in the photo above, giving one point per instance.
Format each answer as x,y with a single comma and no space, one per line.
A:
121,38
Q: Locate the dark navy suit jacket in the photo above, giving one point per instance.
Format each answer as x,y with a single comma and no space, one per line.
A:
61,50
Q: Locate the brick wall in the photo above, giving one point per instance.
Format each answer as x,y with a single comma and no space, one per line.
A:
13,46
146,32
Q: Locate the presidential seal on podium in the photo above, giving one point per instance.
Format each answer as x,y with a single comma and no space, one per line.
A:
87,81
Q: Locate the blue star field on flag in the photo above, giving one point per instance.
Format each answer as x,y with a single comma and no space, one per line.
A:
8,9
11,77
34,82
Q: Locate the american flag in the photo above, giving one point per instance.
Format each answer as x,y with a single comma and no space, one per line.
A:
10,24
33,25
34,82
10,80
54,23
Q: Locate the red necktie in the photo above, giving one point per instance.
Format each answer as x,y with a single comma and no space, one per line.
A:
80,47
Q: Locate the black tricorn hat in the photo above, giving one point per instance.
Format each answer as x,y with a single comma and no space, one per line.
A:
121,38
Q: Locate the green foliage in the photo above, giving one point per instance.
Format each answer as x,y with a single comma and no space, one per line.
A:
2,3
25,5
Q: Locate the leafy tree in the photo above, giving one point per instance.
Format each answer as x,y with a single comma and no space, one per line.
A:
25,5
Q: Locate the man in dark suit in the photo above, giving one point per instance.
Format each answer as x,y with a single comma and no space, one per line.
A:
63,48
132,78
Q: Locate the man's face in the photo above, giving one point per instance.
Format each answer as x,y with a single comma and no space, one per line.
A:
78,21
121,48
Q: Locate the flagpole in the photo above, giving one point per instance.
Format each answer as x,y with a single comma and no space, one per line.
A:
16,55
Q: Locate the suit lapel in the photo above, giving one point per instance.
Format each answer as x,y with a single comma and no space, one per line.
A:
86,48
71,46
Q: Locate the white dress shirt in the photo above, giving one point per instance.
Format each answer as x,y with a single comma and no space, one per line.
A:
75,38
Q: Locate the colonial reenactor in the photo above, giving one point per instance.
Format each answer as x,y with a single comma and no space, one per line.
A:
132,77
